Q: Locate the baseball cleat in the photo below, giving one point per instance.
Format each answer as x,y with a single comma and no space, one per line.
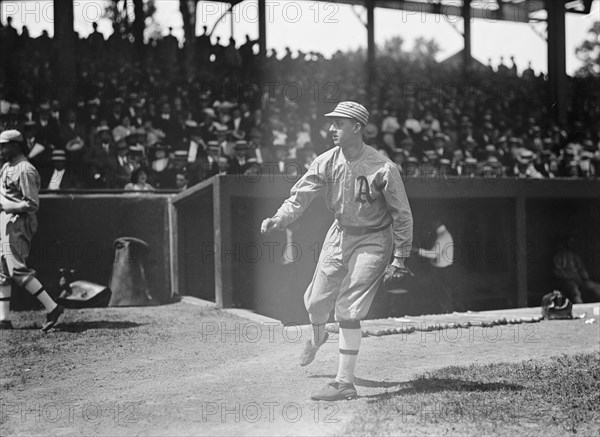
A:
52,318
310,351
335,391
6,324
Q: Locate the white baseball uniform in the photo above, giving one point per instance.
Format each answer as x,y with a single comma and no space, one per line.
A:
372,219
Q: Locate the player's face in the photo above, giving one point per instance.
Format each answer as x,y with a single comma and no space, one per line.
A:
342,129
8,151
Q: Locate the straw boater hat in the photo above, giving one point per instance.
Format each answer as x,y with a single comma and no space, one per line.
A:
59,155
74,145
525,156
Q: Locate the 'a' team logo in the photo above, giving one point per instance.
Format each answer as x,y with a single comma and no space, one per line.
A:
363,194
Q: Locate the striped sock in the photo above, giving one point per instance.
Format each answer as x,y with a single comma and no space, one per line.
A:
5,302
349,344
37,289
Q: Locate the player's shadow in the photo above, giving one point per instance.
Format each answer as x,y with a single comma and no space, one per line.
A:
424,386
98,324
436,385
360,382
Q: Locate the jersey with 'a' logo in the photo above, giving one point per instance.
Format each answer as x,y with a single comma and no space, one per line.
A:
366,191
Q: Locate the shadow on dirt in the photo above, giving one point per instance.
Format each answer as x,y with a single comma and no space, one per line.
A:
99,324
426,385
436,385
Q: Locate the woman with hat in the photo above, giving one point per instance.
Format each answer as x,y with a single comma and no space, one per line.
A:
139,181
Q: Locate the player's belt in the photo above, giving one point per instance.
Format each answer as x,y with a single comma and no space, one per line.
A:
361,230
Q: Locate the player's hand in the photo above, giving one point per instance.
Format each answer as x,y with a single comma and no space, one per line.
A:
395,277
398,262
269,225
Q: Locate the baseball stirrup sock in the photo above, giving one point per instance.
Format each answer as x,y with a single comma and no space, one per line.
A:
349,344
4,302
37,289
318,332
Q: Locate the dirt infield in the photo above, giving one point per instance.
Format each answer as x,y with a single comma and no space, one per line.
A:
183,369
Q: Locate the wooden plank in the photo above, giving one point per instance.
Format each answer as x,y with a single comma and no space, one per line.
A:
173,248
223,244
190,192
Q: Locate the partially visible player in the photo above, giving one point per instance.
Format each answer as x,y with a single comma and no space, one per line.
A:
373,220
19,202
439,279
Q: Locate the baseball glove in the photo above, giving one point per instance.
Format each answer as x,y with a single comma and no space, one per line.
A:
395,277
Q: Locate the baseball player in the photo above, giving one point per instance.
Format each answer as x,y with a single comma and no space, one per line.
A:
19,201
373,220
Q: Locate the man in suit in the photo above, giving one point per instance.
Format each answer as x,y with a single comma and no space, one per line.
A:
240,161
209,165
60,176
70,129
100,162
48,130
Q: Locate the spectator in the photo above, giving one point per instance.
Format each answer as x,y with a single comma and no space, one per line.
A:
440,145
125,165
96,41
430,124
390,123
100,161
529,74
525,168
161,173
60,176
181,181
412,125
129,92
48,131
139,181
239,162
203,48
70,129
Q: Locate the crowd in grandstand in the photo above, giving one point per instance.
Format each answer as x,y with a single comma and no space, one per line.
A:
167,118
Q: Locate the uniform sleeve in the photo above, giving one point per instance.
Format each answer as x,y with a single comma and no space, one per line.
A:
399,208
29,181
301,195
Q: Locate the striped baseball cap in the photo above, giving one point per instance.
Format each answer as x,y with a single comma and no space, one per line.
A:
351,110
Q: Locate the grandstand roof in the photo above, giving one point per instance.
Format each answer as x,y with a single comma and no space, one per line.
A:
521,11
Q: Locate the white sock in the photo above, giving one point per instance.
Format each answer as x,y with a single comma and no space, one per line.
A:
37,289
5,302
318,331
349,344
